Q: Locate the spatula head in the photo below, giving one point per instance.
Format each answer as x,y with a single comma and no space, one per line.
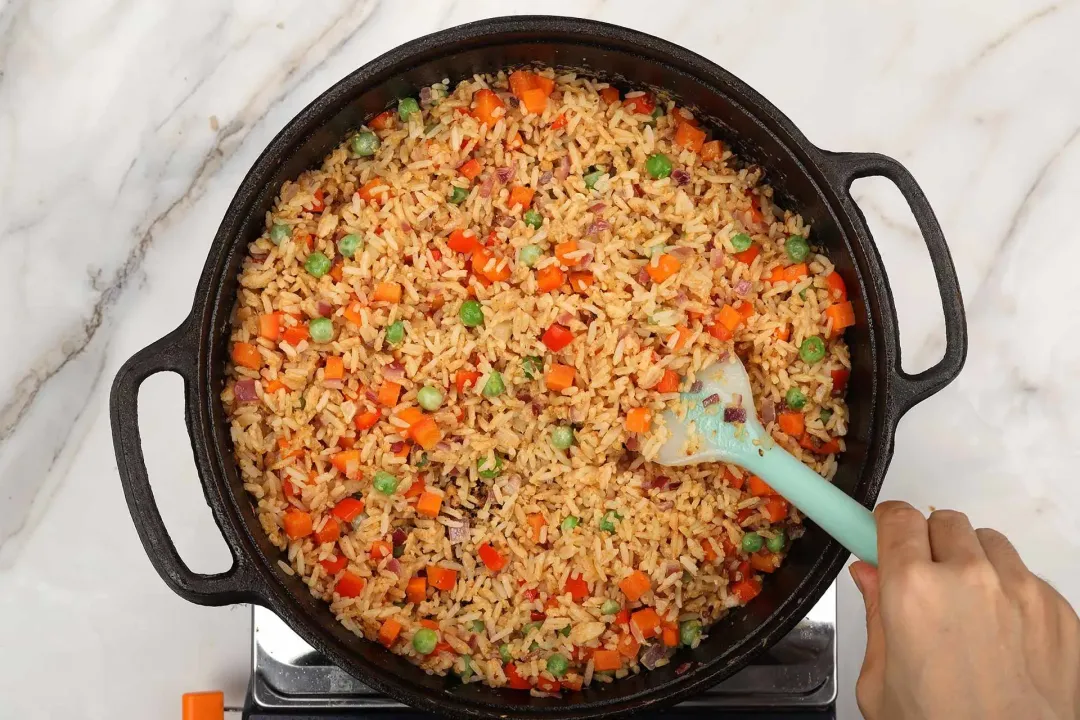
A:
719,423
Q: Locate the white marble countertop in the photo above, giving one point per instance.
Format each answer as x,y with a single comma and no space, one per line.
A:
125,128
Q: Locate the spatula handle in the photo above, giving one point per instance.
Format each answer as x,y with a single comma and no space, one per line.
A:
836,512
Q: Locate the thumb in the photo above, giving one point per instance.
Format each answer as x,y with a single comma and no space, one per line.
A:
870,686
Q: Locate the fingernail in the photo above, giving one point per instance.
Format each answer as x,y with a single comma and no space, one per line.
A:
855,577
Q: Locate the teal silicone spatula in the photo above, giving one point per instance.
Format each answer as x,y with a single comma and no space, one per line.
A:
744,442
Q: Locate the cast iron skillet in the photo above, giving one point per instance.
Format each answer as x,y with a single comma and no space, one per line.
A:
812,181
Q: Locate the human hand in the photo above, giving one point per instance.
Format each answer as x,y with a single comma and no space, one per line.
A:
957,627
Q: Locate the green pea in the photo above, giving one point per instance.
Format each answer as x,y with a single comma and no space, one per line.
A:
658,165
533,219
385,482
569,523
797,248
826,416
489,469
557,665
565,631
741,241
399,550
795,398
504,653
776,542
467,668
349,244
494,386
423,461
458,195
562,436
365,144
657,113
529,627
802,294
395,333
656,250
690,632
430,398
406,107
317,264
471,313
425,640
532,365
610,607
607,523
321,329
478,626
812,349
279,233
529,255
752,542
592,178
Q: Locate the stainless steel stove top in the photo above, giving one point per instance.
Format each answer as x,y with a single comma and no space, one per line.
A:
289,677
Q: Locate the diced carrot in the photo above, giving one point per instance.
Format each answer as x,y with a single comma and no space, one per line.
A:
463,241
662,268
559,377
776,275
382,121
783,332
792,423
349,585
441,578
416,590
711,150
635,585
556,337
329,532
638,420
745,309
514,142
746,589
581,281
689,137
628,646
735,481
669,635
335,368
549,278
465,379
346,442
273,386
730,318
366,420
418,488
348,509
682,336
429,624
747,256
410,415
318,204
514,679
520,81
489,267
563,249
719,331
492,558
536,524
489,108
403,452
795,273
337,271
647,622
388,393
558,123
297,523
534,100
642,104
387,292
837,288
246,355
522,196
669,383
352,313
547,685
374,190
759,488
572,682
347,462
426,433
842,316
609,95
306,239
840,380
711,555
470,168
765,561
428,505
270,326
295,335
606,660
543,83
623,616
380,549
389,632
334,564
775,508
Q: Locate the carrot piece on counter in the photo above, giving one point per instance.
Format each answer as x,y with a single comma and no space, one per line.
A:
559,377
522,196
441,578
329,532
669,383
638,420
203,705
647,622
416,590
297,523
492,558
270,326
387,292
635,585
428,505
759,488
549,278
349,585
606,660
662,268
536,523
792,423
388,393
689,137
389,632
246,355
335,368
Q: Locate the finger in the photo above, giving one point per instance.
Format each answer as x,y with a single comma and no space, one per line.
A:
870,686
1002,555
953,539
903,537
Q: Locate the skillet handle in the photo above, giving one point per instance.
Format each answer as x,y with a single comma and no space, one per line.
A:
173,353
910,389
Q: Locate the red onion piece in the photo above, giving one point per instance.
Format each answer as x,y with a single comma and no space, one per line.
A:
598,227
513,484
638,192
742,287
399,536
244,391
563,170
653,655
642,277
768,411
487,185
458,534
443,446
681,299
259,257
598,207
536,409
680,176
506,221
716,258
393,565
425,95
406,227
734,414
537,616
397,447
370,395
565,318
681,670
394,372
711,400
513,101
504,174
682,252
324,309
632,444
696,387
545,177
672,569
